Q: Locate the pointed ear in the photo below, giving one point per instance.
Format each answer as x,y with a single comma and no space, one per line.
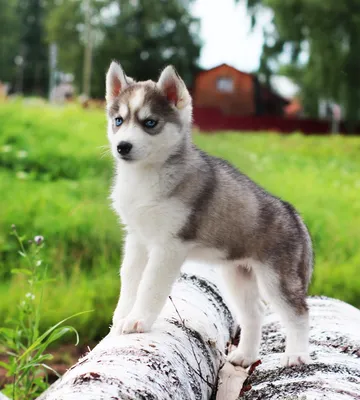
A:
173,87
116,81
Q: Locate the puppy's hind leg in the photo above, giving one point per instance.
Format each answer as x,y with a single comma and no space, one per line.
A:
288,298
243,288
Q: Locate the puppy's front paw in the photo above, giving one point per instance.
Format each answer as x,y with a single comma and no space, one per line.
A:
117,327
136,324
291,360
243,360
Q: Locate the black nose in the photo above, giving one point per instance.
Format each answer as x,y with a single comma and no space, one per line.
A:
124,148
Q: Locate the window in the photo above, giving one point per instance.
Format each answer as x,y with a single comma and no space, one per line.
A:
224,84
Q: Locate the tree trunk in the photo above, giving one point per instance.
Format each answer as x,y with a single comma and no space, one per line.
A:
181,357
88,48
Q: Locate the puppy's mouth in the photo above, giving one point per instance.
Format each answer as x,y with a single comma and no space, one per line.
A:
126,157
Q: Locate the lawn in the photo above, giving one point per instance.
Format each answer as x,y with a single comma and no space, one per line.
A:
55,178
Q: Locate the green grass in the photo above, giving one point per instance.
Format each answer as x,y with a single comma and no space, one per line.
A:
55,182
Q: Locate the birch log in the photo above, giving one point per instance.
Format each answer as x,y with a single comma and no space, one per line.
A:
179,359
335,351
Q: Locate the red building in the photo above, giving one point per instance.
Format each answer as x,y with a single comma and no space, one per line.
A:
226,99
235,93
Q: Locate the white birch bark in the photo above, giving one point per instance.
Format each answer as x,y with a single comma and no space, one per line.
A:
180,358
335,351
177,359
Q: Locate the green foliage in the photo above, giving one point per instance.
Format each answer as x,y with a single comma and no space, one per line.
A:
143,35
33,47
62,27
9,22
23,51
330,32
60,188
146,36
21,339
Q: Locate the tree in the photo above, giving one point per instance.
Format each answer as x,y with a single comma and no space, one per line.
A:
77,27
63,26
23,49
144,35
9,40
329,33
33,48
147,35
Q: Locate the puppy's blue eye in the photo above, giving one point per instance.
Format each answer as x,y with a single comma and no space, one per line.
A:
118,121
150,123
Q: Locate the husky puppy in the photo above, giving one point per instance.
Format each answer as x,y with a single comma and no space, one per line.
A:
178,202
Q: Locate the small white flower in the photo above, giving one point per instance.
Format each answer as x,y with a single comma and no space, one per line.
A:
21,175
38,239
6,148
38,263
30,296
22,154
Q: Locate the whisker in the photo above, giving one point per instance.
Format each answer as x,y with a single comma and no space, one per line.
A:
104,146
105,154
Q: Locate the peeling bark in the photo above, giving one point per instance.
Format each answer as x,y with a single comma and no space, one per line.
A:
231,381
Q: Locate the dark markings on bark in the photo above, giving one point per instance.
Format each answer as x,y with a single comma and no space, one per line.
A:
124,392
285,374
191,375
199,342
210,289
273,340
81,361
154,361
294,390
140,394
87,377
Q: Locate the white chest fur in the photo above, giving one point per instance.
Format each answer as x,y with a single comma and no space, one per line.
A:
139,198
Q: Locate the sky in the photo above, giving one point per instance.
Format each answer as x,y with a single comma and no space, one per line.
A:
227,38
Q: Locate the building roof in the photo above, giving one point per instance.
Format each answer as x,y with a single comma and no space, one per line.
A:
226,65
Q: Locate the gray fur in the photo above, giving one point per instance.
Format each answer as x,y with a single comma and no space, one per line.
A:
160,108
233,214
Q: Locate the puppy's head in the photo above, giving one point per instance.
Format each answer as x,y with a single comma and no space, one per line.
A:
147,121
